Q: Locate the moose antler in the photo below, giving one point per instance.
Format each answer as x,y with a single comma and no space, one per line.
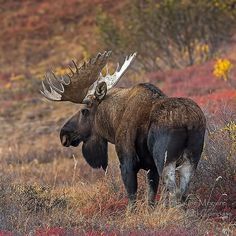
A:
74,87
84,80
112,79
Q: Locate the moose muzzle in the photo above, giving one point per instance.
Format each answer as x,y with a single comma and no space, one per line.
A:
69,139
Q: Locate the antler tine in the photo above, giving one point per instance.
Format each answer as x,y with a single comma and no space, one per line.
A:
117,67
71,70
90,61
94,60
59,79
54,75
50,83
45,91
52,94
82,66
64,81
75,65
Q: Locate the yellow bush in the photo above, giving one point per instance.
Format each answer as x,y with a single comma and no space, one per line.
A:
222,68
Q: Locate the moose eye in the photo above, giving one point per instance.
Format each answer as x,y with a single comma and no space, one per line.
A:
85,112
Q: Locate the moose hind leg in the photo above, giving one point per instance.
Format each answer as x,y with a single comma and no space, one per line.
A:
186,171
191,157
153,181
170,182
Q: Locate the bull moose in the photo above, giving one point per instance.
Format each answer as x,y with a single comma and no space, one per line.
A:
150,131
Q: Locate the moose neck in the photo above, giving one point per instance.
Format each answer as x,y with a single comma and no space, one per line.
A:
109,113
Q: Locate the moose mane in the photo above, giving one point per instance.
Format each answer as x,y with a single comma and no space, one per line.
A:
95,152
155,90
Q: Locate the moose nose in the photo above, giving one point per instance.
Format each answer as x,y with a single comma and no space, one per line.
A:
65,140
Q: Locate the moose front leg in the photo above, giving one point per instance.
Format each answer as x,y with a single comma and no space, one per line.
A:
128,166
153,181
129,176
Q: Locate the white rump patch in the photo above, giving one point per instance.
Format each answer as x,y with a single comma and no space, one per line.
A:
165,157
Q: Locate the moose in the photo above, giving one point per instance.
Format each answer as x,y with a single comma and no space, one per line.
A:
150,130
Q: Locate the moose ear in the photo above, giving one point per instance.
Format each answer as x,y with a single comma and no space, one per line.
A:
101,91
